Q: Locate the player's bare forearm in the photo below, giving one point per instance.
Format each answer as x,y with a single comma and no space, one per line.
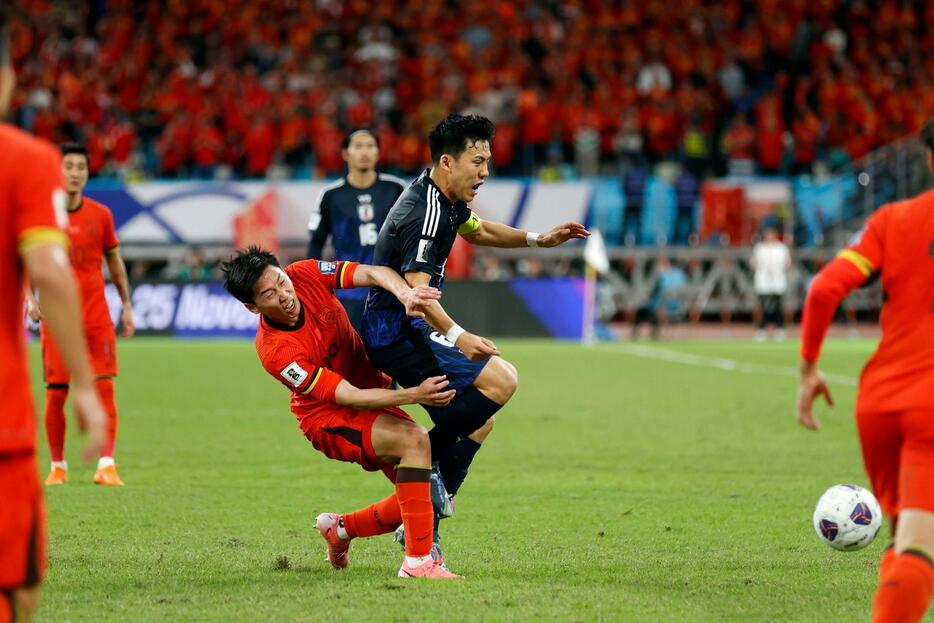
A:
435,315
349,396
367,276
117,270
412,298
491,234
433,391
503,236
51,274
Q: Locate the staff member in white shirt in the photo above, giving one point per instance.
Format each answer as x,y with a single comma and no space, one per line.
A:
771,262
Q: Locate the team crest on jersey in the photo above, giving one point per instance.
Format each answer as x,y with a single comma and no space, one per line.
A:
327,268
294,374
365,208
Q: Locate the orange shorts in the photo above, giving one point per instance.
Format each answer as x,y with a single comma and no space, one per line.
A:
348,436
898,452
22,523
102,347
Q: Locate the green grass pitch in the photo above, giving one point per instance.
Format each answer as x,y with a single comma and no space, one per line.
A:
620,484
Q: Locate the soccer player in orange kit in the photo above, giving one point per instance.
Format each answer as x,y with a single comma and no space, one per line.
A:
895,404
93,240
32,213
341,401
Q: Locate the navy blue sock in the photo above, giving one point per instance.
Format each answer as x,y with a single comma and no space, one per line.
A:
455,463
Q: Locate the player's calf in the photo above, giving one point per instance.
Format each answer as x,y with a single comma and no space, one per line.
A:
24,602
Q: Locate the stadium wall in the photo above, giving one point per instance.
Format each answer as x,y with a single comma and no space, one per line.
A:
518,308
202,213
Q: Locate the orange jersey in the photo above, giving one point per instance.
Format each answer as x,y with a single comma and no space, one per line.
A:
32,212
898,243
91,233
312,357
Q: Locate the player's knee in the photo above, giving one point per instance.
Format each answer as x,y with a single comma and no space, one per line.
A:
25,601
508,378
416,439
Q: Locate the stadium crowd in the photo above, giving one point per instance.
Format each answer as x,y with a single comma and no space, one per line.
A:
230,87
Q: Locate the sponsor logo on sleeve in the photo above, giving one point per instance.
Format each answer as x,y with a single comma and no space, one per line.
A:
327,268
424,246
294,374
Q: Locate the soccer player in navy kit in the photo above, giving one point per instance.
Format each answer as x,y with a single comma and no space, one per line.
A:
415,241
352,210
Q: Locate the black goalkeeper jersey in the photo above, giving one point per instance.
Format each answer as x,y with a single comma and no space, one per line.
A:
352,217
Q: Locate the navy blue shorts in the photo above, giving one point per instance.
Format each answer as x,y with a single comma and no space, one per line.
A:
421,353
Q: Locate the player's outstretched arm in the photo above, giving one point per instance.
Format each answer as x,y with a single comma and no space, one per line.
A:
431,392
473,346
117,269
829,287
51,274
490,234
415,298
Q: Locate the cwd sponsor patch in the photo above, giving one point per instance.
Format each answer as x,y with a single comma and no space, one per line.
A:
294,374
327,268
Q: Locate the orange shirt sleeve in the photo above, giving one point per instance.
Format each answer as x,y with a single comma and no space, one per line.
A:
300,375
39,199
831,285
334,275
868,246
323,384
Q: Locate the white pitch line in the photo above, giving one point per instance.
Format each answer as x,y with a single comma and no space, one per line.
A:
721,363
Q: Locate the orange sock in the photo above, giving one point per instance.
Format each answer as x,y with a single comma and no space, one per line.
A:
55,420
380,518
885,563
105,389
414,494
905,591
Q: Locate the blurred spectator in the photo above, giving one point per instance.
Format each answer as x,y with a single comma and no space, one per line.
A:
193,267
491,269
771,262
665,302
739,145
158,82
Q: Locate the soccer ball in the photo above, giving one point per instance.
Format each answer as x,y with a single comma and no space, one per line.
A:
847,517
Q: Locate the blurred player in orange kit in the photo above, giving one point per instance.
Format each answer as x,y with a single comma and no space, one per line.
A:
93,240
895,405
32,213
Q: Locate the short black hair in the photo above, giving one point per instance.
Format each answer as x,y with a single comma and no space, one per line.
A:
927,134
243,270
455,131
76,148
349,136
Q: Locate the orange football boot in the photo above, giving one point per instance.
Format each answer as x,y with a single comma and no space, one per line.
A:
57,476
107,476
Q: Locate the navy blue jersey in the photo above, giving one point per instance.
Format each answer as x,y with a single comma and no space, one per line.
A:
417,237
352,217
